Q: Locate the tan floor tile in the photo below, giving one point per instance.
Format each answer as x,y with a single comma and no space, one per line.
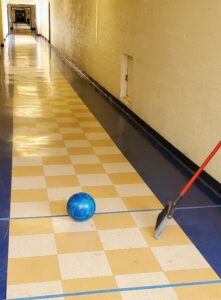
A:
112,158
125,178
104,296
202,292
113,221
68,125
93,129
94,180
150,294
76,111
74,136
43,268
89,284
142,202
80,151
85,119
58,170
29,195
56,160
123,167
58,207
30,227
27,171
77,242
191,275
63,115
173,235
105,191
89,169
132,261
61,181
133,189
97,136
102,143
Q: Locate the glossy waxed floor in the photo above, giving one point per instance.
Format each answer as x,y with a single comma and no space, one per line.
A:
59,148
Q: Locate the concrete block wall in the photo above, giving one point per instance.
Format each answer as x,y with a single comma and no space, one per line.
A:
176,48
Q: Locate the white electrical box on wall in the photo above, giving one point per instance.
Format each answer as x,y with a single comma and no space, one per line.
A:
126,87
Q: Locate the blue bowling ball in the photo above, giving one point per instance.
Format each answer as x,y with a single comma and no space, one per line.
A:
81,207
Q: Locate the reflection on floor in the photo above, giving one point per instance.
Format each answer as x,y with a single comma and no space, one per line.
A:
59,148
21,29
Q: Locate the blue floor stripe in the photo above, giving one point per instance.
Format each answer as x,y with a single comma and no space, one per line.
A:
6,132
119,290
110,212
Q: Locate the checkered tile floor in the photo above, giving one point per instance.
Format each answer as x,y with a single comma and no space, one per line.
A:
60,149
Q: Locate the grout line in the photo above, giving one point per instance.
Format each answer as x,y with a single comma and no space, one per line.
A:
118,290
111,212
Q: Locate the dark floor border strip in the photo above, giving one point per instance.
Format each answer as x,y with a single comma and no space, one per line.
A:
120,290
6,133
111,212
204,177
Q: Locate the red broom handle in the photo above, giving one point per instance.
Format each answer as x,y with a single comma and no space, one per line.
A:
196,175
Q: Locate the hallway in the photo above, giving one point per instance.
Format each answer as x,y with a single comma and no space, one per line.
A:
60,148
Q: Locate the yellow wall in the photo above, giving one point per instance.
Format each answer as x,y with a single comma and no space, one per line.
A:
5,17
1,25
176,48
42,16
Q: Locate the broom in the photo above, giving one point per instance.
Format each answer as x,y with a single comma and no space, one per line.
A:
168,212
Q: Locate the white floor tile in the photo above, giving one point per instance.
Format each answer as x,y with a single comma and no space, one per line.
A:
32,245
179,257
56,194
26,161
84,265
67,224
53,152
27,183
43,125
122,239
34,289
30,209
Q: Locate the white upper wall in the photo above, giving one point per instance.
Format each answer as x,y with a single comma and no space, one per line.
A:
31,2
